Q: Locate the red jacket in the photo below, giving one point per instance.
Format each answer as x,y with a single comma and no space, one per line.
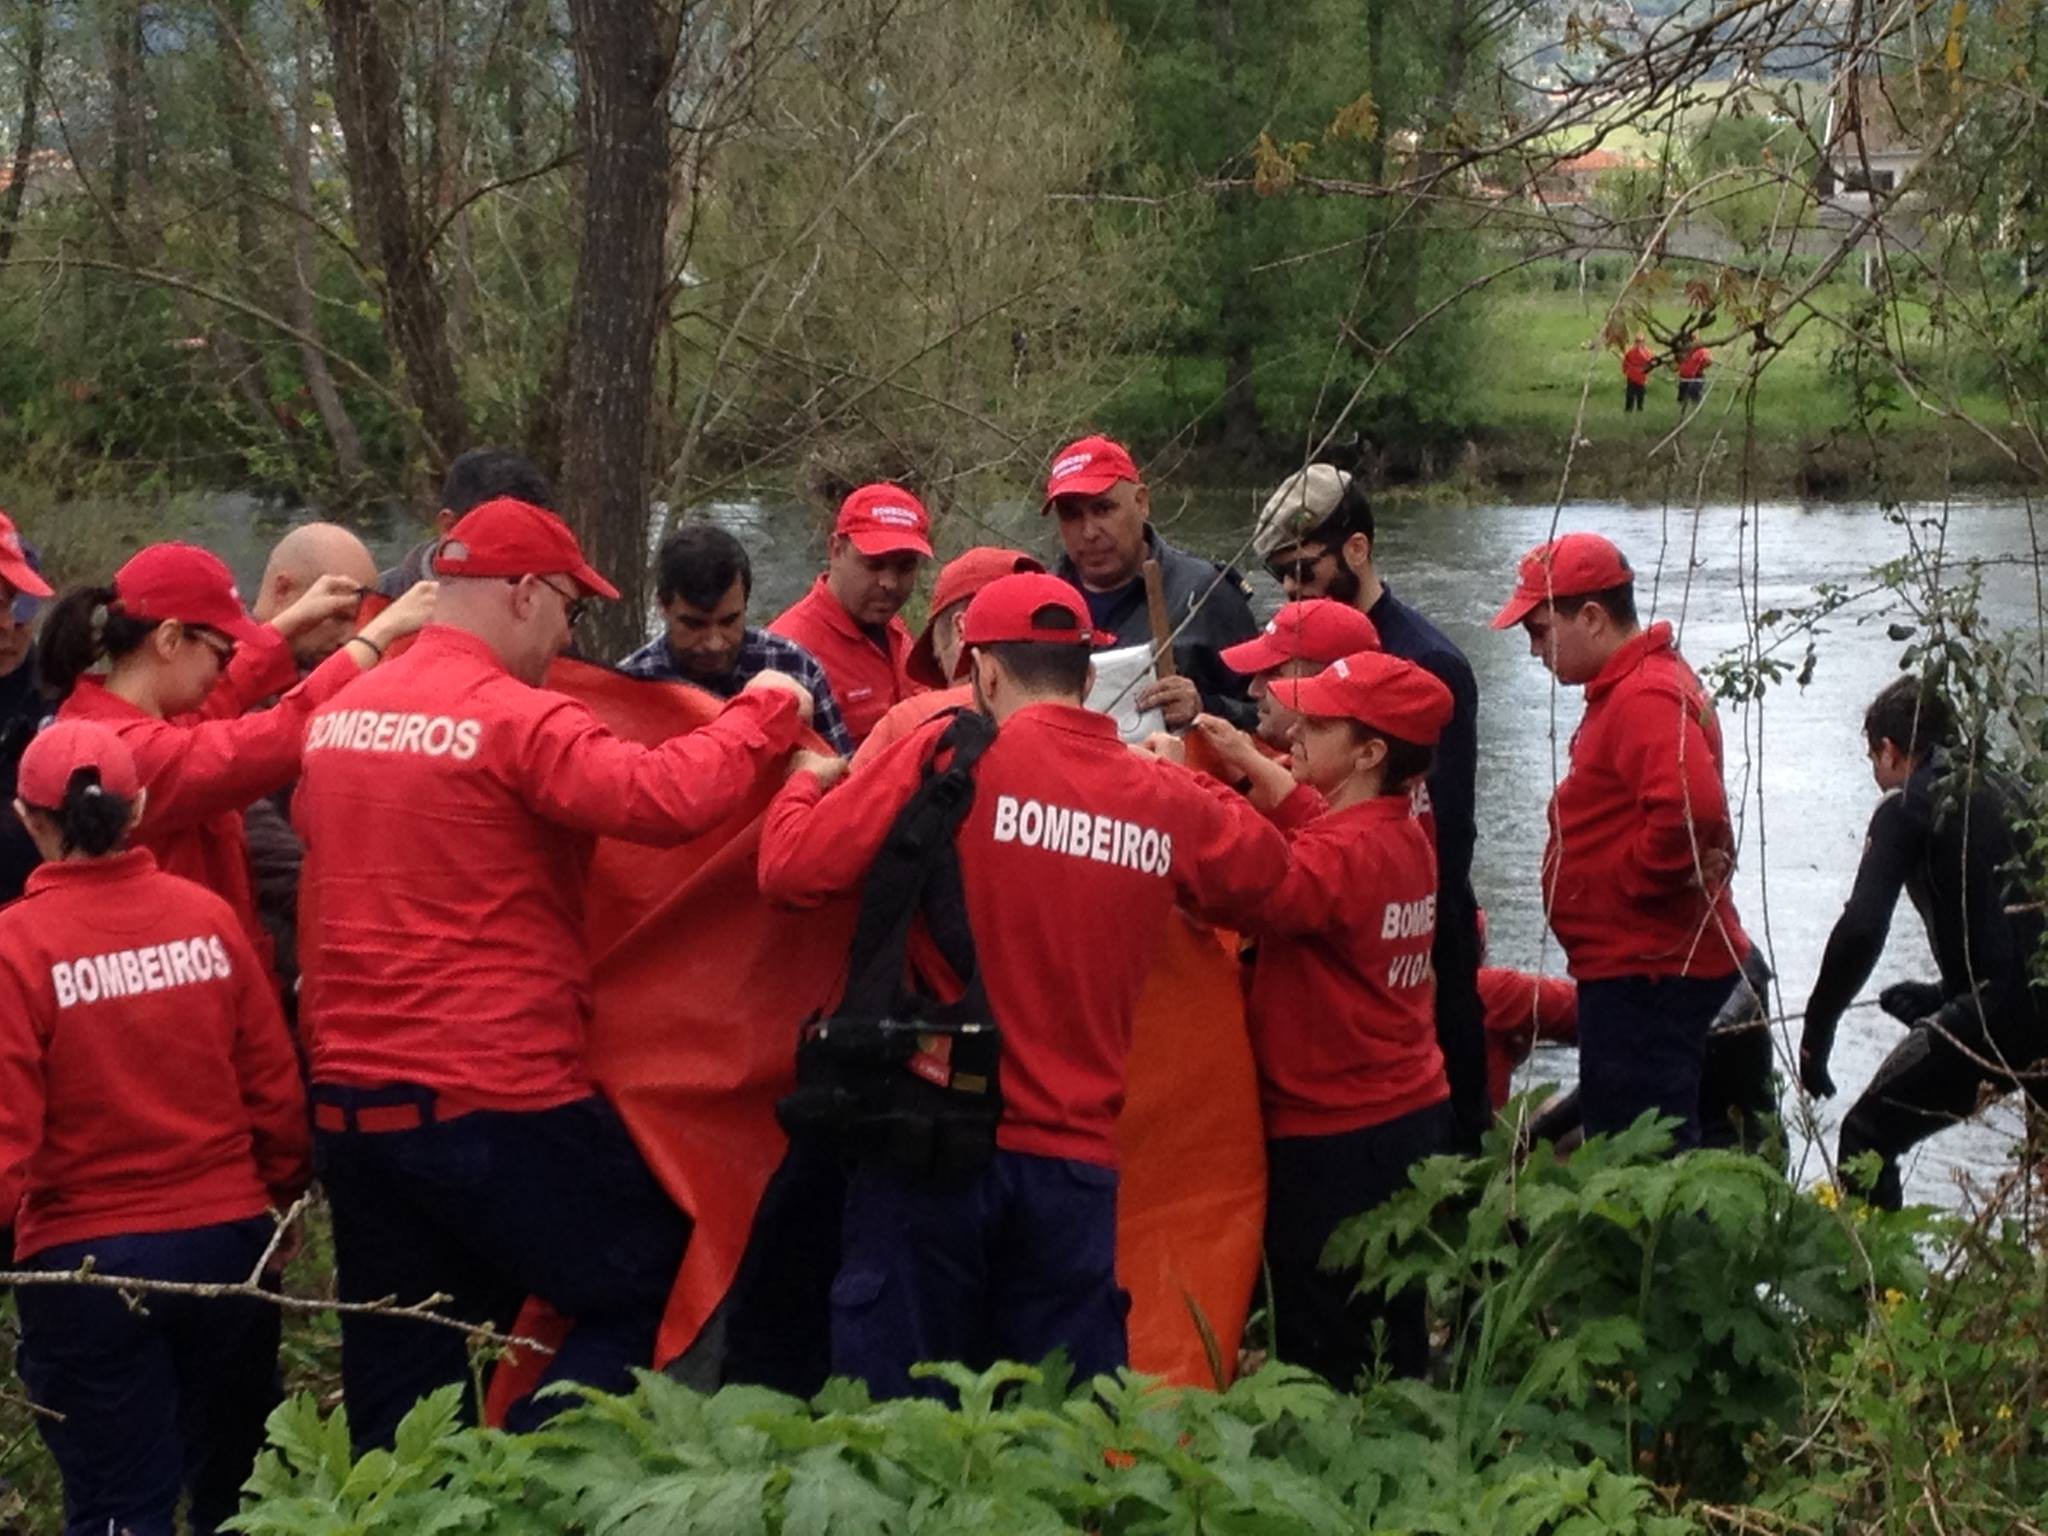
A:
1695,363
1343,999
1072,857
1522,1008
867,675
147,1083
906,718
449,812
1641,798
1635,364
204,769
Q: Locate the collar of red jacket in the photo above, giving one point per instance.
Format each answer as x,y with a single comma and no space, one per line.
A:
1074,718
125,865
91,699
1395,807
446,637
834,613
1639,649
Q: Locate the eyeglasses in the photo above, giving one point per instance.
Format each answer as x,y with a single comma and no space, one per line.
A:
576,606
1299,569
222,647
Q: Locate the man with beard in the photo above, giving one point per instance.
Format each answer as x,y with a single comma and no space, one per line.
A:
1318,537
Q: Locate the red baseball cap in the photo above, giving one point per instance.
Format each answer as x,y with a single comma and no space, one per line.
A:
960,578
1317,629
1012,608
14,567
1088,468
1570,566
188,584
508,537
1375,689
60,750
884,519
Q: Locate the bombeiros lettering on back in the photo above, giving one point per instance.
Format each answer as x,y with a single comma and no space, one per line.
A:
395,731
132,972
1081,835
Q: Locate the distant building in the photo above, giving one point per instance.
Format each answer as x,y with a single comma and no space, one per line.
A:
1867,150
1571,183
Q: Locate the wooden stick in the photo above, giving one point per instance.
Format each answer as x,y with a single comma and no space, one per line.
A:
1162,627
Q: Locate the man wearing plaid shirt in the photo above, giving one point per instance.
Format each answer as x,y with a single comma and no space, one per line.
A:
703,580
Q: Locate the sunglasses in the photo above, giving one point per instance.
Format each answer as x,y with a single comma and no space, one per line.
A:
577,606
222,647
1299,569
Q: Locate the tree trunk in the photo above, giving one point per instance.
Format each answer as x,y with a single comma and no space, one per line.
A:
367,100
124,75
34,33
342,436
623,54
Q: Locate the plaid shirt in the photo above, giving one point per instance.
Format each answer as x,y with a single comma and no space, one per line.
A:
759,652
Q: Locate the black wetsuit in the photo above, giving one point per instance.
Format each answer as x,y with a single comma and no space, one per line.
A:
1947,840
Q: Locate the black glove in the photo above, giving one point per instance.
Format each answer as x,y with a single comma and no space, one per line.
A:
1813,1067
1911,1001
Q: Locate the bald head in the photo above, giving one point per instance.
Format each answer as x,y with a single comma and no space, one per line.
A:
302,557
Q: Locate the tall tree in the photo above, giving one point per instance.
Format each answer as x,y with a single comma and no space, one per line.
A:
394,223
34,39
624,53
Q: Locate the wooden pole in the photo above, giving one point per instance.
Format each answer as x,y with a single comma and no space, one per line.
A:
1162,628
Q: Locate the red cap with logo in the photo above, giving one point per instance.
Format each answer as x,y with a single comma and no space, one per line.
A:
1033,608
60,750
884,519
14,567
1088,468
1374,689
508,537
185,583
960,578
1317,629
1570,566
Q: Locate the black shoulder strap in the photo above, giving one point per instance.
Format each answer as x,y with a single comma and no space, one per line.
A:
918,870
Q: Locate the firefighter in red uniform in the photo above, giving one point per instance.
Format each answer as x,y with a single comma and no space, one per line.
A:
1298,641
150,1117
1635,876
1342,1005
1072,856
935,658
1693,362
849,619
1636,364
183,661
449,805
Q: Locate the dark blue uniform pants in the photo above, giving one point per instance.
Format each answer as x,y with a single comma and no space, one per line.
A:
490,1208
166,1399
1314,1185
1018,1262
778,1321
1642,1042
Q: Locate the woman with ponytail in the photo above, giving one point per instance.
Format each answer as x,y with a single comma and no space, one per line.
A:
167,659
151,1116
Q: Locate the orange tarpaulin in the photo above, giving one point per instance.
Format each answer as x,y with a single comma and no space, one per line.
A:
700,986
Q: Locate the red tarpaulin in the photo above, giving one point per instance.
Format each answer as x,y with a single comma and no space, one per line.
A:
701,983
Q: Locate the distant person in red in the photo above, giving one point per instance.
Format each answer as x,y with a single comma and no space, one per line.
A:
1693,362
849,619
1636,364
150,1118
1342,1009
1635,872
166,658
935,660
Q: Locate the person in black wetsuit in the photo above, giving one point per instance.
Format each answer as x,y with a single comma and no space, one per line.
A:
1944,834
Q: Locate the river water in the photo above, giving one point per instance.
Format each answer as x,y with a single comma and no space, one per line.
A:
1796,766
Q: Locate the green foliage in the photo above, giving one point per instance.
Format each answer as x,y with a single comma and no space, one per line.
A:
1623,1307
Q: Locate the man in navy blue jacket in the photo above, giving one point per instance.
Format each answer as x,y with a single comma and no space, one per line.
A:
1318,538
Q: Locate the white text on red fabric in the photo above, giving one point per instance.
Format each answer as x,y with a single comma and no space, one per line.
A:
1079,835
131,972
379,730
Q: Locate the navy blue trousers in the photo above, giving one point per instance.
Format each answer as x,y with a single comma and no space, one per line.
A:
157,1401
1642,1043
1016,1263
1314,1185
490,1208
778,1315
